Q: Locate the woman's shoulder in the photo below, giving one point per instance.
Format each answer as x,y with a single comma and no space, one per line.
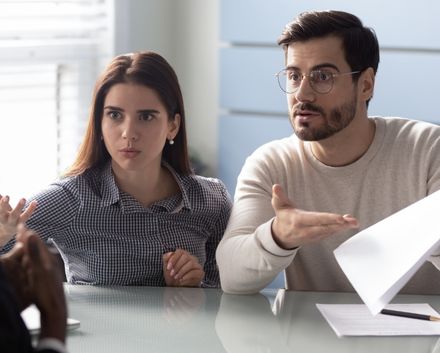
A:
62,189
209,183
76,185
203,186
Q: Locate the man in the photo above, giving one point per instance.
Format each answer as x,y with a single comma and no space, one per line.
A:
29,274
298,198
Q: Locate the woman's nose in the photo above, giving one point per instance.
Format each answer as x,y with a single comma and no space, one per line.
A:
130,131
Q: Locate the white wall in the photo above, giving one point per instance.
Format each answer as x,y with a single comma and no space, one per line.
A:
185,32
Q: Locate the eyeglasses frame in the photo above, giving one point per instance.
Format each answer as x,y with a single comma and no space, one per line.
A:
333,75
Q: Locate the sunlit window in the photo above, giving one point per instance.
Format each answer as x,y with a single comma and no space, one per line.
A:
50,54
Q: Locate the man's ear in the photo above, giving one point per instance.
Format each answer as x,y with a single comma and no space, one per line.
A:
366,84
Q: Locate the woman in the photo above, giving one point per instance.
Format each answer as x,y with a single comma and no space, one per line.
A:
129,211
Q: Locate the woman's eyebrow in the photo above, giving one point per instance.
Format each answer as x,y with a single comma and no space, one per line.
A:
111,107
148,111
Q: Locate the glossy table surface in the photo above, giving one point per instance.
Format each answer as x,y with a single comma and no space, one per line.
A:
149,319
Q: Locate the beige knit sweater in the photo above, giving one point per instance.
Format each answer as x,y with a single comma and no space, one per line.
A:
401,166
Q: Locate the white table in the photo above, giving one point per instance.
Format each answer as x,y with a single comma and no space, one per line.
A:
148,319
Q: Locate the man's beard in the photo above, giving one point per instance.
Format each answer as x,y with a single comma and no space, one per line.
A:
338,119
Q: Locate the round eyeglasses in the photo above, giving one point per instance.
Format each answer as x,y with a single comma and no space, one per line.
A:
320,80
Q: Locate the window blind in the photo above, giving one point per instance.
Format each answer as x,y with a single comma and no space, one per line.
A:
50,55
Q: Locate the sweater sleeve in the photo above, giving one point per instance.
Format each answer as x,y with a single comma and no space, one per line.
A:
432,150
248,257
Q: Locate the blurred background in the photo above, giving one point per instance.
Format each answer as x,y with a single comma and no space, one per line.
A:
224,53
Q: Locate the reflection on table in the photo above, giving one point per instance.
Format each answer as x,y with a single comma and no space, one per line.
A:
143,319
148,319
294,324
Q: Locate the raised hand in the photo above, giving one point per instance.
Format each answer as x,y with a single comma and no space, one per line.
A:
11,217
12,263
181,269
45,284
293,227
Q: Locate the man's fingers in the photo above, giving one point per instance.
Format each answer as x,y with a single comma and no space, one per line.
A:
323,230
306,218
280,199
351,220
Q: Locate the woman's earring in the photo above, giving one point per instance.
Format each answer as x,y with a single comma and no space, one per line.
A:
171,141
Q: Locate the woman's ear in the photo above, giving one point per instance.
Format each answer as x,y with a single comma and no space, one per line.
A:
174,126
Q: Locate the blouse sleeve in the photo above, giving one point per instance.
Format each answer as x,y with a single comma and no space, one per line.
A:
57,207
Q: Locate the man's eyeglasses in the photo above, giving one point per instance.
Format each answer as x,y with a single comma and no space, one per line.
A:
321,81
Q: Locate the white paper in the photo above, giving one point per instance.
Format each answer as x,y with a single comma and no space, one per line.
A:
31,317
357,320
380,260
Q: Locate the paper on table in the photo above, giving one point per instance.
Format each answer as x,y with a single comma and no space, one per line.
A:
356,320
380,260
31,317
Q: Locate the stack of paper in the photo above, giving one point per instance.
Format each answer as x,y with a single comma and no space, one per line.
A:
356,320
31,317
380,260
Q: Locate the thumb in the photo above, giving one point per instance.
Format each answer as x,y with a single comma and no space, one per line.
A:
14,255
280,199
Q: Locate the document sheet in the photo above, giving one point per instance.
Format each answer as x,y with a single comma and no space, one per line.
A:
357,320
31,317
380,260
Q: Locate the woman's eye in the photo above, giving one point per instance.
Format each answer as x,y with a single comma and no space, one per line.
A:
114,115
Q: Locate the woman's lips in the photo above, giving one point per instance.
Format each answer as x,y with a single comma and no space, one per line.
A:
129,152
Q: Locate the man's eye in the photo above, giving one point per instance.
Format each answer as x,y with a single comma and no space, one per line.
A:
321,76
294,76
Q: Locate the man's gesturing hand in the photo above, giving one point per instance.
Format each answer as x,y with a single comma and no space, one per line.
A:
293,227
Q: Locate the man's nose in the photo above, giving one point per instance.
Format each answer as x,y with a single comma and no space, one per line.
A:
305,92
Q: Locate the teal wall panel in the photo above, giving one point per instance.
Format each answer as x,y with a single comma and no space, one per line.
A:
240,135
397,23
248,82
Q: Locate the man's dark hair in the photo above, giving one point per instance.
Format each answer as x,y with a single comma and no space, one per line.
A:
360,44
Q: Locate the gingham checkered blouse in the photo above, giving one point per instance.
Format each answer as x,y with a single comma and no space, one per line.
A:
106,237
